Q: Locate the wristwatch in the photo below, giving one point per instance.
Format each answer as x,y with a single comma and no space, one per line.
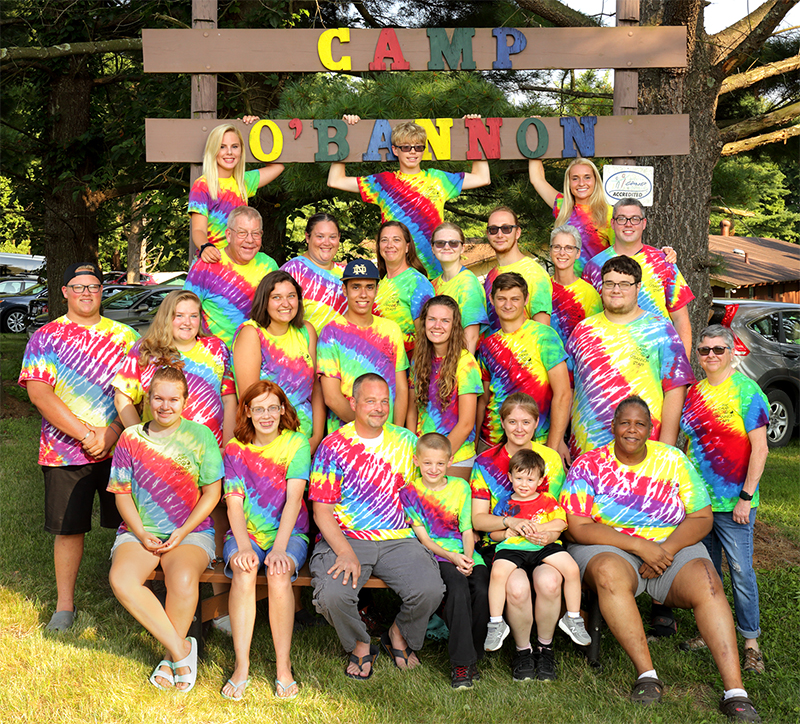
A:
745,496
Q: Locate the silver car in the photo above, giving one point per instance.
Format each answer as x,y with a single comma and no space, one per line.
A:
767,348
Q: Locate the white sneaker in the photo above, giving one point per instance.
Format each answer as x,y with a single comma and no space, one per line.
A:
575,629
495,635
223,623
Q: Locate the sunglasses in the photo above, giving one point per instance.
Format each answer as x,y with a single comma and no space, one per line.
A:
442,243
407,149
505,228
718,351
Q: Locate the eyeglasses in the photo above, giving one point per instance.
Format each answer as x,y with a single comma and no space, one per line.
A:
624,286
407,149
718,351
505,228
78,288
623,220
242,235
272,410
442,243
567,248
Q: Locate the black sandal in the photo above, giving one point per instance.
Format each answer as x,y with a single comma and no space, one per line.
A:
360,661
647,691
395,654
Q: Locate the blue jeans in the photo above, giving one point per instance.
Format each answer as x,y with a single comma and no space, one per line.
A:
737,541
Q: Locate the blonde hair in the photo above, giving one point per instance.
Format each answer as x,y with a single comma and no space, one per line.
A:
159,344
210,161
597,201
408,132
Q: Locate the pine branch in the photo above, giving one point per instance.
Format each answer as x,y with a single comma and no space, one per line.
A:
748,144
59,51
557,13
564,91
762,72
742,129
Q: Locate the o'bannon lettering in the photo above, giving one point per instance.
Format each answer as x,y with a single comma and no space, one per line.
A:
255,141
325,51
339,139
577,137
381,138
543,138
438,138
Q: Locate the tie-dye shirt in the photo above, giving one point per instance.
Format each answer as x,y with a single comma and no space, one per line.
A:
217,210
647,500
258,475
663,290
323,294
542,509
226,290
163,475
444,513
489,480
78,362
417,200
465,288
442,419
572,304
611,361
540,289
287,362
716,420
593,239
207,367
400,299
519,362
346,351
362,479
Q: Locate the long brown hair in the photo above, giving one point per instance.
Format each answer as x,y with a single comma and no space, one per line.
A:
159,343
424,354
259,312
411,253
245,431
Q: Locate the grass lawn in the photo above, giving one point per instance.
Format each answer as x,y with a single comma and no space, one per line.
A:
97,672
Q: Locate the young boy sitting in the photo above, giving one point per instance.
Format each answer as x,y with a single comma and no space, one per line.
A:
411,195
439,509
525,471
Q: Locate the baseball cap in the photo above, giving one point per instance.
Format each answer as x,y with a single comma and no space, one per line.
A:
72,272
360,269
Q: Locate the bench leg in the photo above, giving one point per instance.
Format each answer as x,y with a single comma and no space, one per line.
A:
196,630
594,625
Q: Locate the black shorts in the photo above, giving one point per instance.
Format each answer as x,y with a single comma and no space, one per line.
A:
528,560
69,496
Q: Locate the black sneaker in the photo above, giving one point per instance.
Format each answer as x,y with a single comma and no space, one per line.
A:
546,664
474,673
522,667
461,677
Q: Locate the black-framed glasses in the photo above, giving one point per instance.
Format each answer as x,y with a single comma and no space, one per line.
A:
505,228
705,351
406,148
623,220
624,286
442,243
78,288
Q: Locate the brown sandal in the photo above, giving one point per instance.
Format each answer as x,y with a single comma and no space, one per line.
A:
360,661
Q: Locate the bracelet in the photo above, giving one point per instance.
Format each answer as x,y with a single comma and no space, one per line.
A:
744,495
204,246
505,525
88,432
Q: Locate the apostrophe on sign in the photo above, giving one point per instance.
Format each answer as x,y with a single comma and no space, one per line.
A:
297,125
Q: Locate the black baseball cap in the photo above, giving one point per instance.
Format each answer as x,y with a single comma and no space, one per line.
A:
72,272
360,269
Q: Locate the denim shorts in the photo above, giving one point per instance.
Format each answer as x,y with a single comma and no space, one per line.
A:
204,540
296,549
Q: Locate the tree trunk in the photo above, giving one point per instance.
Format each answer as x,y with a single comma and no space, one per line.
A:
136,241
680,213
70,223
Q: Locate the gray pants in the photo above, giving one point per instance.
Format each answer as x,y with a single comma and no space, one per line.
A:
405,565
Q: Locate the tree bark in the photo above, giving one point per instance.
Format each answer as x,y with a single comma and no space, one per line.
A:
762,72
66,49
136,244
741,129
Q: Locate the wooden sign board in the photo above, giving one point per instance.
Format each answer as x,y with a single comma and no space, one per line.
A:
316,141
346,49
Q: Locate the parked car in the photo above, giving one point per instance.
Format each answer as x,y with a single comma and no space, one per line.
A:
16,285
14,308
122,278
767,347
134,306
39,305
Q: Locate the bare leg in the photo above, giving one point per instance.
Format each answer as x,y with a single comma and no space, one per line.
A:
281,624
519,609
547,586
565,564
501,570
242,610
67,555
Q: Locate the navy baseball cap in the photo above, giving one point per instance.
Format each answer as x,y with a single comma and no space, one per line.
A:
72,272
360,269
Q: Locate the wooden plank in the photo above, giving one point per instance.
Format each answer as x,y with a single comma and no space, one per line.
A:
182,141
296,50
626,82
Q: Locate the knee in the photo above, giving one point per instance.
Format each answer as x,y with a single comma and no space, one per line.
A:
518,592
121,584
278,581
548,583
708,582
182,583
335,596
605,574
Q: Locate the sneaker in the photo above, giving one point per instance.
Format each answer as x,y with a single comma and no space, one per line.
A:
460,677
223,623
753,661
495,635
522,668
474,674
546,664
575,629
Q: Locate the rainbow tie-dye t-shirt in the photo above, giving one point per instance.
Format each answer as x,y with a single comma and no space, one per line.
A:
287,362
593,239
663,290
78,362
648,500
612,361
540,289
442,419
258,475
217,210
465,289
400,299
164,475
519,362
226,290
207,367
542,509
362,479
572,304
716,420
323,294
444,513
346,351
415,199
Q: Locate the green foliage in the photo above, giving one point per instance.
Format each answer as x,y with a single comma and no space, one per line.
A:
15,229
